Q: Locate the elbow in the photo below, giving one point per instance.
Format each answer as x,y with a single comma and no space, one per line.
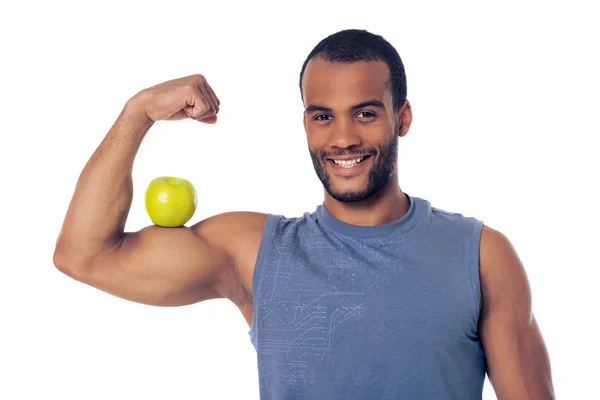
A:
64,260
69,266
63,263
60,261
59,258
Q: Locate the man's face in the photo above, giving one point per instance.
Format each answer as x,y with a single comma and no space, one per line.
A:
349,116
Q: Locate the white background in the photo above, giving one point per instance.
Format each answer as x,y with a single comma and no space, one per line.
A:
505,103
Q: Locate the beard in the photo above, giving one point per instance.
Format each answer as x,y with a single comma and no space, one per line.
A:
379,174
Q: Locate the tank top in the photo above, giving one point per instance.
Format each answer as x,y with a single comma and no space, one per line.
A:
369,312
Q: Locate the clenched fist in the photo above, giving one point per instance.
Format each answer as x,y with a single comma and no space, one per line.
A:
189,97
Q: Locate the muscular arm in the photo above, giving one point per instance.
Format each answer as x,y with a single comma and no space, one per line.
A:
176,266
96,216
158,266
518,361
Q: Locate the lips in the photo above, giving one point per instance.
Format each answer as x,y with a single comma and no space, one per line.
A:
350,169
350,157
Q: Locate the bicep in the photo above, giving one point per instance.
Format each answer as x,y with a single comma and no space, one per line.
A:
160,266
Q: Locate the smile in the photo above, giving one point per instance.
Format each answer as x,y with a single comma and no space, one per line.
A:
348,166
349,163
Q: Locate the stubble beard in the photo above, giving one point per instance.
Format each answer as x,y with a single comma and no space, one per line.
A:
378,176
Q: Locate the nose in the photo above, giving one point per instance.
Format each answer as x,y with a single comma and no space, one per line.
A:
344,134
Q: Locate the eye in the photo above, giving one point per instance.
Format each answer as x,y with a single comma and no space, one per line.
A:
369,114
318,117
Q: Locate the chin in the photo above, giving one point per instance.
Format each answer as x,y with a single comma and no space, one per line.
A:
355,190
349,198
349,195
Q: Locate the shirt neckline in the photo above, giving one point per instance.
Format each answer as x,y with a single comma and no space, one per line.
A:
401,226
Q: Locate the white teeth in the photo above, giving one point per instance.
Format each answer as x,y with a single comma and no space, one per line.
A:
348,163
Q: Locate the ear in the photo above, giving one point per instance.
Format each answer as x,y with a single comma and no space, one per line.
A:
304,120
404,118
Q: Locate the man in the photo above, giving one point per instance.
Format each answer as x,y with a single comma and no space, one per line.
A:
375,294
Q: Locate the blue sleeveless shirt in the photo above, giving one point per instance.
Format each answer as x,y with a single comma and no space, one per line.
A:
376,312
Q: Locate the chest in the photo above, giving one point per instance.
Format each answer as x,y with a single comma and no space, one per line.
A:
310,299
372,318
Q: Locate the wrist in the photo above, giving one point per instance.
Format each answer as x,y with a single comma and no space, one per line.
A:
135,110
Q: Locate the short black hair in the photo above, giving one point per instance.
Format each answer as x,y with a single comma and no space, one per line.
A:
352,45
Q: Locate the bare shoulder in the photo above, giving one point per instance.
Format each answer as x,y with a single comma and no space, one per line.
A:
501,270
239,234
496,251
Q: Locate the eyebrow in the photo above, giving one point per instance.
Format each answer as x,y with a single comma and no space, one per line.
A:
368,103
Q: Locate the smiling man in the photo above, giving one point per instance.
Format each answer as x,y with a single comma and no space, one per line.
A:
375,294
352,129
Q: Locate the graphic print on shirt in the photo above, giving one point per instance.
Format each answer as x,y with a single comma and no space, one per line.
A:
387,312
311,296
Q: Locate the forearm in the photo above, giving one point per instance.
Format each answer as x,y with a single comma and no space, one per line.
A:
96,216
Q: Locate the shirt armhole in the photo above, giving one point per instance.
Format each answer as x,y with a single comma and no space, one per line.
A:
263,249
474,266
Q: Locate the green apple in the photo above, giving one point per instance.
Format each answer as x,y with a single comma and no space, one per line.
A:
170,201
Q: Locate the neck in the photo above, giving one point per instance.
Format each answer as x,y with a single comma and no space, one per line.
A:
384,207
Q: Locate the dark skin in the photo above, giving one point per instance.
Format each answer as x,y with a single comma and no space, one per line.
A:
335,127
518,362
348,112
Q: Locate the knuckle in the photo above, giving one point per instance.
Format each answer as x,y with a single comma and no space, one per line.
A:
210,111
204,105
